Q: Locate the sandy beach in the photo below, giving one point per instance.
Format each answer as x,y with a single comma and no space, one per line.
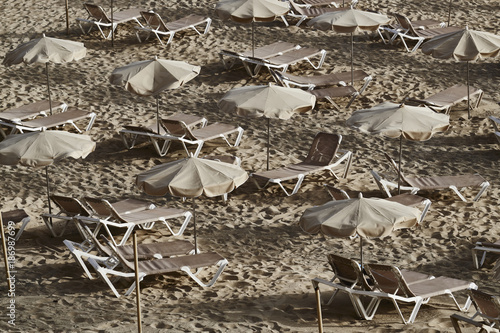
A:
266,286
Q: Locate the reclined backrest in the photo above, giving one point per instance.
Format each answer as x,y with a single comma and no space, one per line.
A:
348,271
97,12
404,22
394,166
99,207
174,127
154,20
488,305
323,149
70,206
388,279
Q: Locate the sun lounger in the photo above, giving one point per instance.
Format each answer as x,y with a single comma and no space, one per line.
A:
284,61
390,284
28,111
80,251
409,32
334,3
349,279
487,316
431,183
446,99
303,13
322,80
156,25
70,207
210,132
144,219
263,52
186,264
10,219
392,30
336,92
323,155
52,121
98,17
161,140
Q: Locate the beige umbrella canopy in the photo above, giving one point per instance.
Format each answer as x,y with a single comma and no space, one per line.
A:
269,101
400,120
41,149
192,177
250,11
366,217
348,21
151,77
45,50
464,45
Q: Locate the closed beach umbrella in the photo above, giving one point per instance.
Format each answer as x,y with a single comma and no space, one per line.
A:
365,217
41,149
399,120
464,45
348,21
45,50
269,101
250,11
151,77
192,177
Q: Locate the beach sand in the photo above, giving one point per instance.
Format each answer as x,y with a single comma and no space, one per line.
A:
267,285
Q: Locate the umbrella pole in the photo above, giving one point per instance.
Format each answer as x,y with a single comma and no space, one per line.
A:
112,27
48,192
268,141
5,258
361,250
137,283
468,91
352,59
253,39
449,13
194,222
400,158
67,17
157,115
48,86
318,308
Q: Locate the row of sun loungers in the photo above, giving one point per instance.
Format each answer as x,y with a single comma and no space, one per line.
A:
152,23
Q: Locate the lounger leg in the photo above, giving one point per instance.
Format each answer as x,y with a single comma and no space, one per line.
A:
222,264
50,225
21,229
164,149
188,216
455,189
484,186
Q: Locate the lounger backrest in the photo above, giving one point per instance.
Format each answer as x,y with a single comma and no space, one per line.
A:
348,271
405,23
388,279
97,12
100,206
70,206
394,166
337,193
488,305
154,20
174,127
323,149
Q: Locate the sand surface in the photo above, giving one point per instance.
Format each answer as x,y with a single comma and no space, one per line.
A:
266,286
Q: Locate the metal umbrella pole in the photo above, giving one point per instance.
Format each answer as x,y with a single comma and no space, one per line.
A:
48,86
112,27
